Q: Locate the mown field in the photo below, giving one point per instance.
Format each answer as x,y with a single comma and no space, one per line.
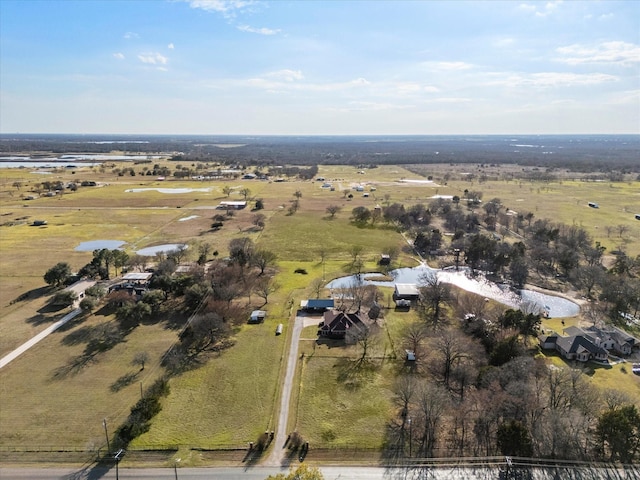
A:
49,398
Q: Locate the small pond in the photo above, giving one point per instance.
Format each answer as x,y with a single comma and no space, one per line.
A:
167,247
191,217
99,245
555,306
167,190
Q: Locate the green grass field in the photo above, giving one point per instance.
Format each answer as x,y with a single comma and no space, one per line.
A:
232,398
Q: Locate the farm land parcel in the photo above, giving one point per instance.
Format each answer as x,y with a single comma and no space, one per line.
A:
233,396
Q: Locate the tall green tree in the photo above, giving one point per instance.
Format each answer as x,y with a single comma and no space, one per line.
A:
58,274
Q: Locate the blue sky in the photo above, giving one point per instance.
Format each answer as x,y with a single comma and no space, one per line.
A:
319,67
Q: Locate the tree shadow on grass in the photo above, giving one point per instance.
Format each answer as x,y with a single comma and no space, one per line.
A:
73,323
124,381
98,338
52,308
41,318
352,374
74,366
31,294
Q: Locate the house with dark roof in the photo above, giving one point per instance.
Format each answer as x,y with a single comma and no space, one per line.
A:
548,342
336,324
614,339
576,346
580,348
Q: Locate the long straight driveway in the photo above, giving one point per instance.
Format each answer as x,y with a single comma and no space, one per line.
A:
275,458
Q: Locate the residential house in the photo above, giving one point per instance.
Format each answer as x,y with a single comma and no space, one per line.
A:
614,339
580,348
336,324
576,346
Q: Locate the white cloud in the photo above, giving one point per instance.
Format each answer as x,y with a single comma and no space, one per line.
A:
503,42
260,31
130,35
452,100
285,75
171,46
448,66
118,55
413,88
553,79
228,8
621,53
540,9
285,82
153,58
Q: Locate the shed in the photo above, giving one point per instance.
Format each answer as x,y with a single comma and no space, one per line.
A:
137,276
406,291
317,304
257,316
410,355
39,223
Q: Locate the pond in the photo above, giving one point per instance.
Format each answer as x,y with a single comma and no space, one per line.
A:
45,163
168,190
555,306
167,247
92,245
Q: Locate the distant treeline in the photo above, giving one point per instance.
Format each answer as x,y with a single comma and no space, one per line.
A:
583,153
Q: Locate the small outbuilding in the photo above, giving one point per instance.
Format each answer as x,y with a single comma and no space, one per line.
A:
257,316
406,291
317,305
39,223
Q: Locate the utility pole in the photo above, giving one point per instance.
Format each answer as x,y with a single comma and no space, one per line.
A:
106,434
410,436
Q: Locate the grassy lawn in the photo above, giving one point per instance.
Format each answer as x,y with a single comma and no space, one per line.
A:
228,401
51,399
341,404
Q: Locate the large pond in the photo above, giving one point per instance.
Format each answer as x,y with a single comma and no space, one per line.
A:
45,163
553,305
167,247
99,245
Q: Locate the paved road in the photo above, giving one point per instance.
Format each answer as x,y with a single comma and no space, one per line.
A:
329,473
78,287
